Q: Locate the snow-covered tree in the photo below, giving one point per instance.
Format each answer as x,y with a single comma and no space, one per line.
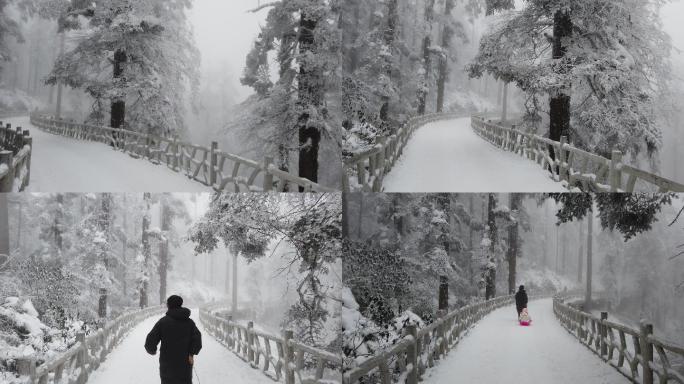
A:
136,57
601,64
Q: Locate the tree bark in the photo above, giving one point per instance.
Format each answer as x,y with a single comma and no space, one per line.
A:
427,59
234,308
580,254
447,35
389,36
4,231
57,224
504,107
512,256
590,234
146,251
310,96
165,216
560,99
118,107
490,277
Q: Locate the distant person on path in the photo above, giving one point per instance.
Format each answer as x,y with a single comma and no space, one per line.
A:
521,299
180,342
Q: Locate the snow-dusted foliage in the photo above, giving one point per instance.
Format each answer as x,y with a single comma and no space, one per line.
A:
137,52
294,112
248,224
611,58
396,62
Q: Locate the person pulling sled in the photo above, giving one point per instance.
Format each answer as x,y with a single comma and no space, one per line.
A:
521,306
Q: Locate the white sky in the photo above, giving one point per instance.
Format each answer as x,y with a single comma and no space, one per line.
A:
225,32
672,18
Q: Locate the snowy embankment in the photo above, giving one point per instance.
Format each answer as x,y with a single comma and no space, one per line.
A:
130,364
447,156
498,348
60,164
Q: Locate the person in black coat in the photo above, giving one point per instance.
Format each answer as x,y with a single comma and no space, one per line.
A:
180,342
521,299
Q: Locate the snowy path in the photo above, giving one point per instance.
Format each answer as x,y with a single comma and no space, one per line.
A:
499,350
447,156
130,364
61,164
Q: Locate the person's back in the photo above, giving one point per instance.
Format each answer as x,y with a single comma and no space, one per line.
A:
521,299
180,341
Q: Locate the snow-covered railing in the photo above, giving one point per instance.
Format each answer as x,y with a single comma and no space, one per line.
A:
76,364
278,357
408,359
366,171
220,170
15,158
629,350
573,166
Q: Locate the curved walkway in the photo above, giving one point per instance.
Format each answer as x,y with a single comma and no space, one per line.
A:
130,364
498,350
61,164
447,156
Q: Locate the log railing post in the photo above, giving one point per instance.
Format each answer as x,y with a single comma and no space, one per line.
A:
175,154
18,140
604,334
563,158
82,357
213,162
7,182
250,342
288,357
615,172
646,353
268,176
102,305
413,353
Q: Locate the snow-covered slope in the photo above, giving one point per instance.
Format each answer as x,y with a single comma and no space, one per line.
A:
499,350
61,164
447,156
130,364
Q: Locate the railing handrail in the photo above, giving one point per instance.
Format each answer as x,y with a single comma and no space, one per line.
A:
568,164
256,348
368,169
206,165
605,338
417,350
88,353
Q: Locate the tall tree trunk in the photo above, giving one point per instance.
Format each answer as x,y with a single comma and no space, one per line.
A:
590,234
560,99
228,278
118,107
165,217
345,216
504,107
580,254
4,231
310,97
146,251
57,225
389,37
471,271
60,90
447,35
427,59
490,277
512,255
124,248
234,308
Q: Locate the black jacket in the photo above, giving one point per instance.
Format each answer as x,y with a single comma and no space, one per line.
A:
521,299
179,338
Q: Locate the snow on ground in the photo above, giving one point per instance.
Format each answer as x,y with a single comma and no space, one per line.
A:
130,364
61,164
447,156
499,350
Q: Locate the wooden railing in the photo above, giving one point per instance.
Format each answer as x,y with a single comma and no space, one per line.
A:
278,357
366,171
76,364
219,170
408,359
15,158
629,350
574,167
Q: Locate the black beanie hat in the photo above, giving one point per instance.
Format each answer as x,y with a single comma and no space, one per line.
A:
174,301
522,288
